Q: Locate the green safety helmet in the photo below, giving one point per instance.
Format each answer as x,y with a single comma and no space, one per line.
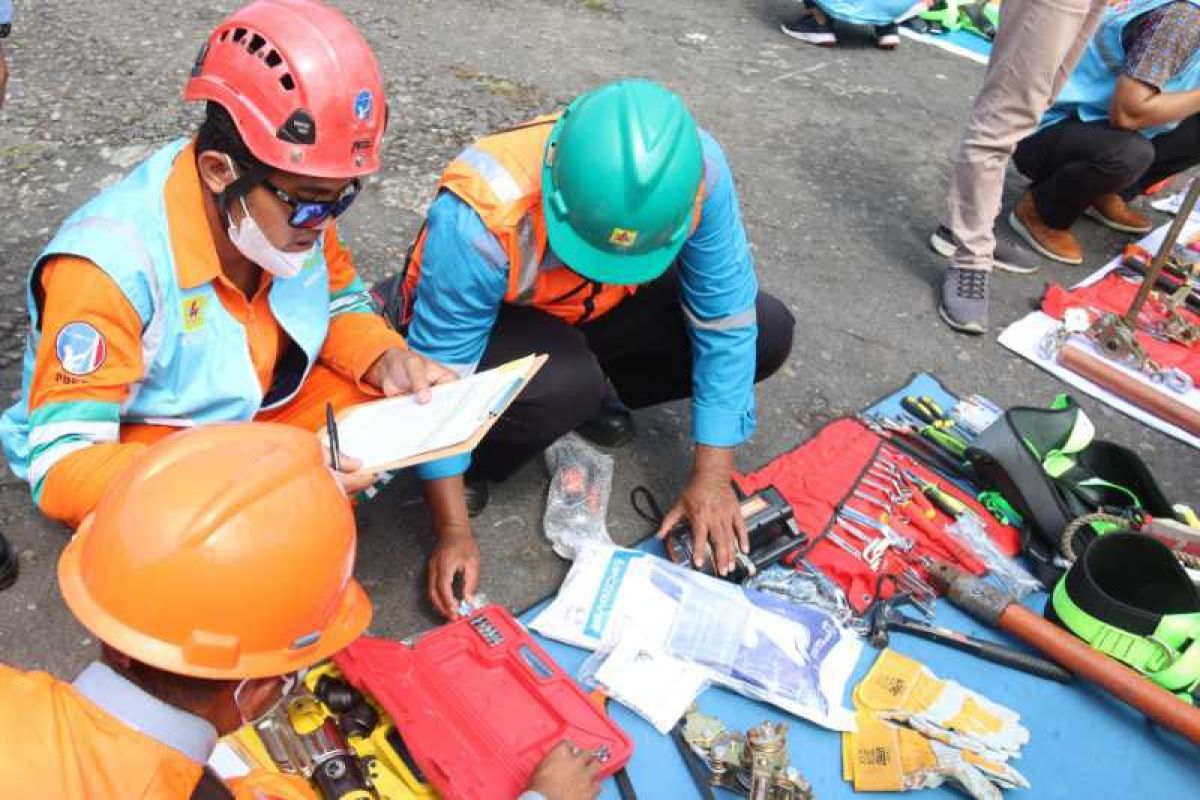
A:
619,180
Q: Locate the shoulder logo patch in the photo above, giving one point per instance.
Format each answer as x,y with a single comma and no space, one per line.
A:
80,348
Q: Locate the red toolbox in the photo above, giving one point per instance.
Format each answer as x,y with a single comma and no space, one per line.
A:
479,704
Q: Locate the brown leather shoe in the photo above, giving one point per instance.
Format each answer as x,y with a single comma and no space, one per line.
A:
1112,212
1053,243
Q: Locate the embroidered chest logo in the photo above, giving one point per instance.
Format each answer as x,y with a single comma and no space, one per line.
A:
80,348
193,313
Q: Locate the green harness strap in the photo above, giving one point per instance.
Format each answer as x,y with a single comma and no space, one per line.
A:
1170,656
1058,461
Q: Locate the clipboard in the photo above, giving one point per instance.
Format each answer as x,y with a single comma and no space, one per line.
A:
462,411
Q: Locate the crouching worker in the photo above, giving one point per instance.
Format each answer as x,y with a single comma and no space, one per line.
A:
609,237
1128,117
210,285
816,24
220,565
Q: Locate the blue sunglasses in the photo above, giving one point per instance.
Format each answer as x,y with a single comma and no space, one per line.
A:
308,214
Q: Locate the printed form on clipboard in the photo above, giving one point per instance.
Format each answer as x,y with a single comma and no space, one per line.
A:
396,432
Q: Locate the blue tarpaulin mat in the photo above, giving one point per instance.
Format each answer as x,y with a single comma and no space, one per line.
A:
1084,744
960,42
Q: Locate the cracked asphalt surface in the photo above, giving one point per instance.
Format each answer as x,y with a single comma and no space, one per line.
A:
840,157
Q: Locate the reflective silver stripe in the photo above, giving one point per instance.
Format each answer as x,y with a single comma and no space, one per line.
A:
170,422
347,302
92,431
44,462
742,319
528,268
501,181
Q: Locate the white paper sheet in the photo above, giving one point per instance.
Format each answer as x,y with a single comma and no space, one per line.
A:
795,657
399,428
1171,204
1023,336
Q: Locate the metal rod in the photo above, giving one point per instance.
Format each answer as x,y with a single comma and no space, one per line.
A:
1160,258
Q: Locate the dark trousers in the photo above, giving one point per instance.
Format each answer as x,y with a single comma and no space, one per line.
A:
640,349
1072,163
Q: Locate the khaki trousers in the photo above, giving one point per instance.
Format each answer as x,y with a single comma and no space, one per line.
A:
1037,45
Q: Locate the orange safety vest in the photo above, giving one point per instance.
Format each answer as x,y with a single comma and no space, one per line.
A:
500,177
57,745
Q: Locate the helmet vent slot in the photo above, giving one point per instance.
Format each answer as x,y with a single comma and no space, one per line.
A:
287,82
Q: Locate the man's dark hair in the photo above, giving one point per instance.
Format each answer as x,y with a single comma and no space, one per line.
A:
219,132
180,691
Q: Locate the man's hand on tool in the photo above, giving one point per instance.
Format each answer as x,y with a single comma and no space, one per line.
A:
567,773
403,371
346,477
711,508
456,552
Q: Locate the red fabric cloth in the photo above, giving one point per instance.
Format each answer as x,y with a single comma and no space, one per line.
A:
821,474
1114,293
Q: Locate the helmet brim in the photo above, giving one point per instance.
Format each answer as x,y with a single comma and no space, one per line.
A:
605,266
348,622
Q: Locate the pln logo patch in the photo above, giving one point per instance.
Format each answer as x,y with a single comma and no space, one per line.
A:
363,105
622,237
193,313
80,348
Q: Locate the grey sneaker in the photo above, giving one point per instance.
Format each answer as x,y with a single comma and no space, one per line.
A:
1009,256
964,304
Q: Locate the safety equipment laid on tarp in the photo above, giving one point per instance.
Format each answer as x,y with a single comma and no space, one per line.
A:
1128,596
826,480
302,85
225,552
1047,463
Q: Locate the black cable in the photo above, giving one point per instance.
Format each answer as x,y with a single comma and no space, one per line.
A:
652,512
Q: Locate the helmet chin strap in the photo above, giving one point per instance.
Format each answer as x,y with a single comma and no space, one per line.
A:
241,185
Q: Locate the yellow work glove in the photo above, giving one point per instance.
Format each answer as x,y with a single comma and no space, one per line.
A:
905,690
882,757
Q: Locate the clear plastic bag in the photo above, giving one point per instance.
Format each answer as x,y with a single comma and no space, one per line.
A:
807,586
972,531
580,483
638,674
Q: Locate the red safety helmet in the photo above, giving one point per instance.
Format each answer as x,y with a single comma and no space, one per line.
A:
302,85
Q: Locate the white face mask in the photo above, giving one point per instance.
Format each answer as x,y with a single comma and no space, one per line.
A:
251,242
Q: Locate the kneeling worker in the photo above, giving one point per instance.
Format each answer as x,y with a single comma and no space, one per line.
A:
210,285
609,237
220,565
1128,117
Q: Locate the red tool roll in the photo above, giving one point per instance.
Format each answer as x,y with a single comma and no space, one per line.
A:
822,474
479,704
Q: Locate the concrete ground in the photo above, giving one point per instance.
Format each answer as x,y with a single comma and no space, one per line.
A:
841,161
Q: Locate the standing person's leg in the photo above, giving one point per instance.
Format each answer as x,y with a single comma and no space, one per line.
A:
644,348
1073,165
1035,48
565,393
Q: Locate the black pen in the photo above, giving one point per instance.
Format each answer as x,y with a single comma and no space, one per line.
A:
331,431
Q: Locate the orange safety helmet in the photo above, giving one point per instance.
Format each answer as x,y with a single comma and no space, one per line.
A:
224,552
302,85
